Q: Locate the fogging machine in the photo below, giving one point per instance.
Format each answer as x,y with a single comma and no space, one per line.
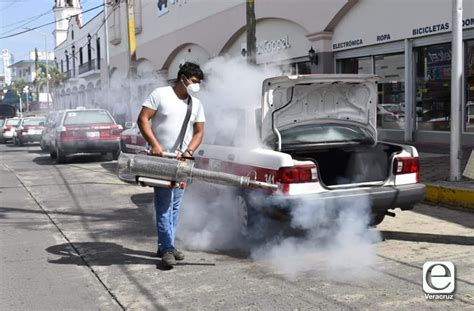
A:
170,172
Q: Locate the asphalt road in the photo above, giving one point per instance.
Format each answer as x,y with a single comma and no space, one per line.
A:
74,237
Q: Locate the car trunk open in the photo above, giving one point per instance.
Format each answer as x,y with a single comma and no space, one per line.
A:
349,164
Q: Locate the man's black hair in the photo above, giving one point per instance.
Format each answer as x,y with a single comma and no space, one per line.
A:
189,69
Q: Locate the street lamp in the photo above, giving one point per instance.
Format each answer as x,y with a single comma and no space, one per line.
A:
47,60
313,57
26,90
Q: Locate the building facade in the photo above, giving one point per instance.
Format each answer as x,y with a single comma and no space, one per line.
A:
79,56
396,40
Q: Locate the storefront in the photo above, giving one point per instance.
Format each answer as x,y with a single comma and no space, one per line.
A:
413,61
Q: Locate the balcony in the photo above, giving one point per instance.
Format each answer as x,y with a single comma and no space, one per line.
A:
90,68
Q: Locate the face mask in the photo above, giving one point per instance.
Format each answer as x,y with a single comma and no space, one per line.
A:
193,88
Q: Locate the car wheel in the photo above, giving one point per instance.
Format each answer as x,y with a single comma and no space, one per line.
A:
376,219
115,155
60,157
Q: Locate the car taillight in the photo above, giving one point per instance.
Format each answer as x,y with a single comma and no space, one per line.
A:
116,131
406,165
23,129
297,174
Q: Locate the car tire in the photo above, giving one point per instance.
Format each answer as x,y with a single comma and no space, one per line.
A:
376,219
115,155
60,157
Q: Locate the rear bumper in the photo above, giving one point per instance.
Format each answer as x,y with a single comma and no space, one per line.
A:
90,146
380,199
30,137
7,135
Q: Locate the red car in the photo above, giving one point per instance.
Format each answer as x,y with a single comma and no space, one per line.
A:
131,140
84,131
29,130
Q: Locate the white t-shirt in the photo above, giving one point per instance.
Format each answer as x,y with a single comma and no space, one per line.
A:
170,113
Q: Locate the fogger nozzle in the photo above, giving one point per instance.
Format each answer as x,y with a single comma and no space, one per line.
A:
133,166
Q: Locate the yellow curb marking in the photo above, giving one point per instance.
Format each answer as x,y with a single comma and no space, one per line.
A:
452,196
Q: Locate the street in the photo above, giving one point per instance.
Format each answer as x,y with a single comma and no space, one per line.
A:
75,237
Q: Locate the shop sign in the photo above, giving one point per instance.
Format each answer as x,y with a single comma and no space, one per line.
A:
272,46
163,5
425,30
347,44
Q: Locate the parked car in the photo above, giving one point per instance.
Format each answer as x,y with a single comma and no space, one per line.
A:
46,134
131,140
9,129
317,140
29,130
84,131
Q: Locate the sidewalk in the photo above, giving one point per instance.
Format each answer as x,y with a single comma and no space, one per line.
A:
434,173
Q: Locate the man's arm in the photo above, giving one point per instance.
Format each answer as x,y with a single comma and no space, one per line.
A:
197,138
143,121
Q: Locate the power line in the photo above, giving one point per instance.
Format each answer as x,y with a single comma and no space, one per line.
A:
28,20
50,23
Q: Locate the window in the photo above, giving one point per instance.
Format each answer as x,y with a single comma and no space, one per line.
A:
98,52
469,95
391,91
88,117
81,59
362,65
89,49
62,65
67,62
433,87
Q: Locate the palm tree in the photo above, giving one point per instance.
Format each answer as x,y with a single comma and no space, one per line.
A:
56,78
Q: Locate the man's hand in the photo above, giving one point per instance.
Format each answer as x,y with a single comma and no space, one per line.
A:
186,154
156,150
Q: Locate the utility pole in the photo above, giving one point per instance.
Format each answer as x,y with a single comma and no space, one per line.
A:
36,73
251,29
132,48
456,84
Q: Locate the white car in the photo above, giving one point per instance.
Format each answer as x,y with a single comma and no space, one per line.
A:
317,141
9,129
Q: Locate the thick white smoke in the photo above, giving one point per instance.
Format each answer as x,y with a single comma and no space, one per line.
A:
334,241
333,237
211,216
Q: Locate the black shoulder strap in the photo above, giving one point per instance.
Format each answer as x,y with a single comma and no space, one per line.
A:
184,127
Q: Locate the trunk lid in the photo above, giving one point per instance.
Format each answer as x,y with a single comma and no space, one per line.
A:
328,101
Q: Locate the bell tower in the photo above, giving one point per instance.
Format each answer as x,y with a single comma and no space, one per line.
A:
63,10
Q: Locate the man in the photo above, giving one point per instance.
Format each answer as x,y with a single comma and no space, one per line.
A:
167,108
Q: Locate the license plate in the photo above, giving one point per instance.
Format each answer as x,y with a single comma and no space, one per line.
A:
93,134
34,132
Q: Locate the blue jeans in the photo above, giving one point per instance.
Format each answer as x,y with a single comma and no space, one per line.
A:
167,205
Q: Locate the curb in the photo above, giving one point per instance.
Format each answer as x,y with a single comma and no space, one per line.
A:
454,196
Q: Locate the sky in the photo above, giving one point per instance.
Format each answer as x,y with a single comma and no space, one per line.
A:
12,12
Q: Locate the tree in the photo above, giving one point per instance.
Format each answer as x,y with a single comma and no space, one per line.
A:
56,78
18,86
